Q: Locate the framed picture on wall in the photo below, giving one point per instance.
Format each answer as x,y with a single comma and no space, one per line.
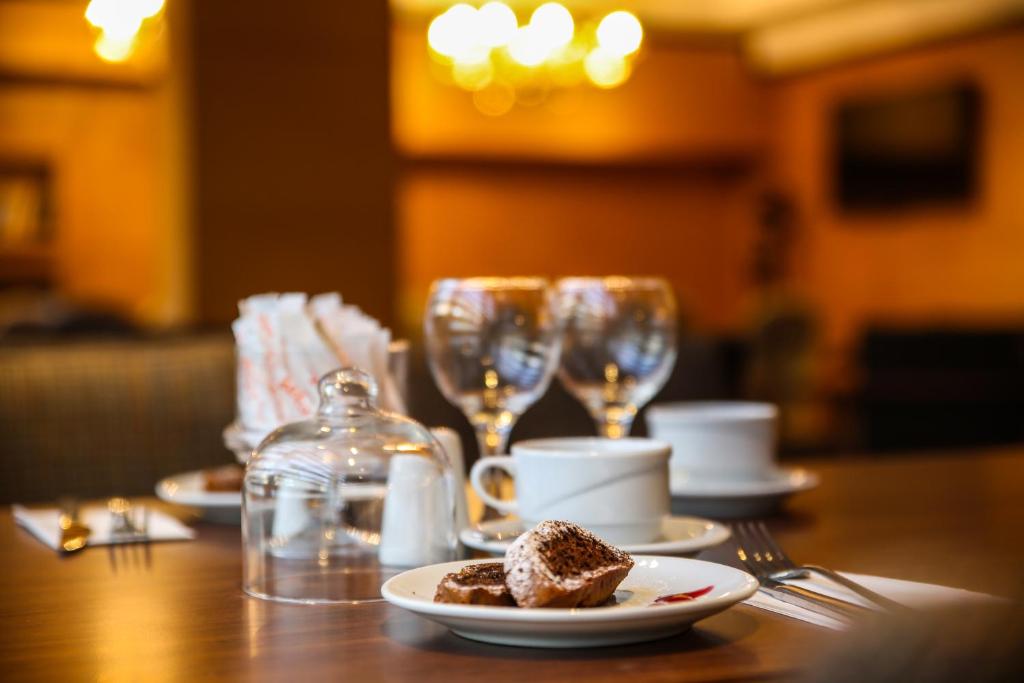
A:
26,207
914,147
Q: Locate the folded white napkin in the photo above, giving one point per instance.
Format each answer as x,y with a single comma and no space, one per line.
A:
285,343
44,524
909,593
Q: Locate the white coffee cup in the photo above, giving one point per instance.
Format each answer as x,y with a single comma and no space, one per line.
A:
616,488
717,440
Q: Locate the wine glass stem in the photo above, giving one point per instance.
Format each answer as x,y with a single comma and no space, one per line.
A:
492,441
613,429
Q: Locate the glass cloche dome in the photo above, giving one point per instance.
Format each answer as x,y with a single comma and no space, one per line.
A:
335,505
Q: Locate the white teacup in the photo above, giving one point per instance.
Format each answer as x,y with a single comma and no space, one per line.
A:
616,488
717,440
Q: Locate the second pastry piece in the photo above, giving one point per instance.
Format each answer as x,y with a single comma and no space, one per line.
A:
560,564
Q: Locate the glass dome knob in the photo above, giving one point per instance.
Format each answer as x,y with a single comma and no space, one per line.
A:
347,388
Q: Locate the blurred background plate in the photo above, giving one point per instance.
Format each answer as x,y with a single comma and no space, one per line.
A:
189,488
736,499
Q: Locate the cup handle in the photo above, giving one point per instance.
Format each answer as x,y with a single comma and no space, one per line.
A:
502,462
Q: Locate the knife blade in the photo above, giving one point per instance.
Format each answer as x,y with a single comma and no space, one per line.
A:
819,603
73,533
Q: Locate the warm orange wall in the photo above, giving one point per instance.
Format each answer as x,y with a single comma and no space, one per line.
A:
920,265
682,101
687,109
917,266
103,153
692,227
112,137
50,39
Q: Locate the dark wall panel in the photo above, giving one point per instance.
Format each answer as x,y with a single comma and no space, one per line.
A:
293,163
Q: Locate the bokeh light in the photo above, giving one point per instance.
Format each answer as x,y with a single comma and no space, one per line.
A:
484,50
110,16
149,8
494,100
551,25
454,33
119,23
473,75
111,49
620,33
606,69
526,49
497,24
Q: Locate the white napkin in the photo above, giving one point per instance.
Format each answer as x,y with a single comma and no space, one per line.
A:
44,524
284,344
909,593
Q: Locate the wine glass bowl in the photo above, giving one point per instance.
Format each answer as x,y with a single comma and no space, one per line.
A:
618,346
492,346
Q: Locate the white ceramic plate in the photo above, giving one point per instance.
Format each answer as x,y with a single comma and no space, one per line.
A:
685,536
730,499
634,616
188,488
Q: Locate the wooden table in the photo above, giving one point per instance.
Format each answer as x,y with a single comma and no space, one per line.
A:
179,615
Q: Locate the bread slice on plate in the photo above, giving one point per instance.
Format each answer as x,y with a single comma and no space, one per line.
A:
476,584
560,564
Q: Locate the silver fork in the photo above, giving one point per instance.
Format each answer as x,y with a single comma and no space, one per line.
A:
759,561
125,523
129,527
780,567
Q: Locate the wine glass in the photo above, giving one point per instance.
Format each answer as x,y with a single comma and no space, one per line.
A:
619,345
492,345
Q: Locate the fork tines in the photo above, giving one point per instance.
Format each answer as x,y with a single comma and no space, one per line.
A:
129,529
128,524
757,550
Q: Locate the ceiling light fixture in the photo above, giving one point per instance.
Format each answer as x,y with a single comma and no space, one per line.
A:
486,51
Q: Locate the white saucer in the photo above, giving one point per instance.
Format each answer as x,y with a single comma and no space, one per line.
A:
685,536
632,618
188,488
737,498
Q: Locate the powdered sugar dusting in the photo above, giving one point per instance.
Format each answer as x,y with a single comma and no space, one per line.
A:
557,555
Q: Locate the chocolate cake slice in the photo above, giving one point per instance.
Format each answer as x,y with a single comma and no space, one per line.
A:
476,584
560,564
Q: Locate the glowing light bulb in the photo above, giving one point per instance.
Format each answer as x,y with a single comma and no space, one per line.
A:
605,69
552,24
123,28
454,32
100,11
149,8
112,49
121,20
526,48
620,33
486,51
497,24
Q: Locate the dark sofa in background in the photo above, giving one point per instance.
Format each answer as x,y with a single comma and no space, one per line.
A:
96,418
112,416
940,387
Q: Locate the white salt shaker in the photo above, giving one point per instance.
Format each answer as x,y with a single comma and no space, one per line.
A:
412,533
449,440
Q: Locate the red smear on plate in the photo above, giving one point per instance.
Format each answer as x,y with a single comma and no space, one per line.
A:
683,597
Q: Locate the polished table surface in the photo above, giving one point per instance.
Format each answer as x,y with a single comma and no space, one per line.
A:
175,611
